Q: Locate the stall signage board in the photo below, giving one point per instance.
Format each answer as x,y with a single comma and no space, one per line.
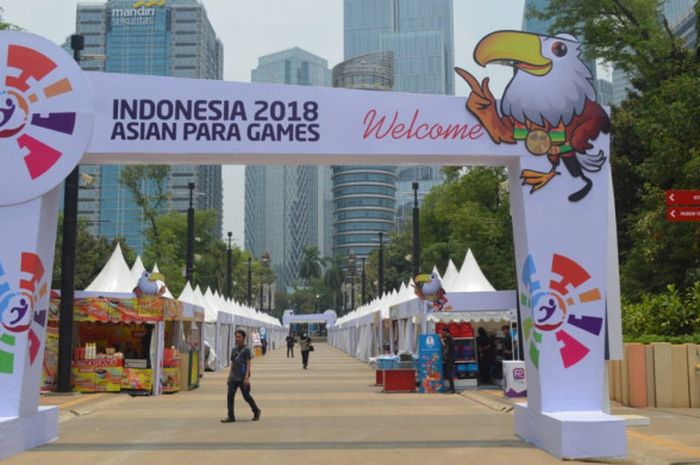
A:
429,363
514,381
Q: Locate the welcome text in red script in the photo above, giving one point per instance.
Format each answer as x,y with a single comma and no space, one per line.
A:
379,127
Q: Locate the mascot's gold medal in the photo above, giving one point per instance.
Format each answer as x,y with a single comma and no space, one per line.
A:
538,142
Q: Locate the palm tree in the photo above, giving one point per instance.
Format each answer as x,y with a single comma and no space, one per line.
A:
311,264
335,277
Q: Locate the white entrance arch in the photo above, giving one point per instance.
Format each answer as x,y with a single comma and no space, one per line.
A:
561,241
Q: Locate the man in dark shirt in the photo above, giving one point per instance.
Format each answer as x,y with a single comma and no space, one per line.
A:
239,377
290,344
448,357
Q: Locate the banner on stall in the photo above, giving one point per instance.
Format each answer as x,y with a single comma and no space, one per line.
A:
147,309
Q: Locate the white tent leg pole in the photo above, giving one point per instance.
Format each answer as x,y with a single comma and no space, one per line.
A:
391,336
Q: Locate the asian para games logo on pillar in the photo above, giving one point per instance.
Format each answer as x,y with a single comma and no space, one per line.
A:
18,311
45,116
561,308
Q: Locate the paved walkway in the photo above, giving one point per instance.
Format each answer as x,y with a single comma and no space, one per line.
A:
330,414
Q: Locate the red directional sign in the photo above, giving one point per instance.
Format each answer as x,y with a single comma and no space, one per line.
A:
685,197
683,213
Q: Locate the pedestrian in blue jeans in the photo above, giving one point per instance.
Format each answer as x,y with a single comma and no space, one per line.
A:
239,377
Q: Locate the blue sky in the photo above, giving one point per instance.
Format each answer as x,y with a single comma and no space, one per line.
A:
252,28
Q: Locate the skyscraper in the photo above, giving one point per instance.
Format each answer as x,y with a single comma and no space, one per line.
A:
164,38
420,34
680,15
676,11
289,208
364,196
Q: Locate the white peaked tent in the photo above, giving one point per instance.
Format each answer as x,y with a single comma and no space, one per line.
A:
211,329
449,280
401,316
115,277
138,269
472,298
471,278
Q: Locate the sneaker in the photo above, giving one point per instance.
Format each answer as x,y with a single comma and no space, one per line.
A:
256,415
228,420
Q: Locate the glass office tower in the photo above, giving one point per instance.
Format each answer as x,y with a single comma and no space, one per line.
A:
420,34
364,197
289,208
169,38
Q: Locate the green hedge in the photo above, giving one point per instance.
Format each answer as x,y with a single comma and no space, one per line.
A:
667,317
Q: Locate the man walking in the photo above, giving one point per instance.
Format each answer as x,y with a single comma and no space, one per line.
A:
448,357
290,344
305,347
239,377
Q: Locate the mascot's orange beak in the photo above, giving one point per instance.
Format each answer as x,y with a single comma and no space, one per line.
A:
521,50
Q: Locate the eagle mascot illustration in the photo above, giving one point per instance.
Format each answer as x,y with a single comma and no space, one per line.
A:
148,285
429,287
550,104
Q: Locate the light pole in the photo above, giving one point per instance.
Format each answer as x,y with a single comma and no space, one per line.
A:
250,280
269,297
380,274
265,260
416,232
229,268
352,259
70,233
364,259
189,263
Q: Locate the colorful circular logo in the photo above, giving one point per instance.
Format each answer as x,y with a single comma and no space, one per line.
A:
46,116
20,310
565,307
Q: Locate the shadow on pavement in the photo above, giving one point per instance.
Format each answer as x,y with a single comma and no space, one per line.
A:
332,445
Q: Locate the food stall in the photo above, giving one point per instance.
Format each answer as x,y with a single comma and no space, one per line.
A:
463,300
127,336
127,343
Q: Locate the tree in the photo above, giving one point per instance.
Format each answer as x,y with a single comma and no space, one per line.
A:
470,210
169,249
5,25
92,254
311,264
335,277
148,185
655,143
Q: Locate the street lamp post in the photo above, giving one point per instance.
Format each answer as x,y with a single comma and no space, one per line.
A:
380,274
265,259
70,233
416,232
364,259
229,268
189,264
269,297
250,280
352,260
345,297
